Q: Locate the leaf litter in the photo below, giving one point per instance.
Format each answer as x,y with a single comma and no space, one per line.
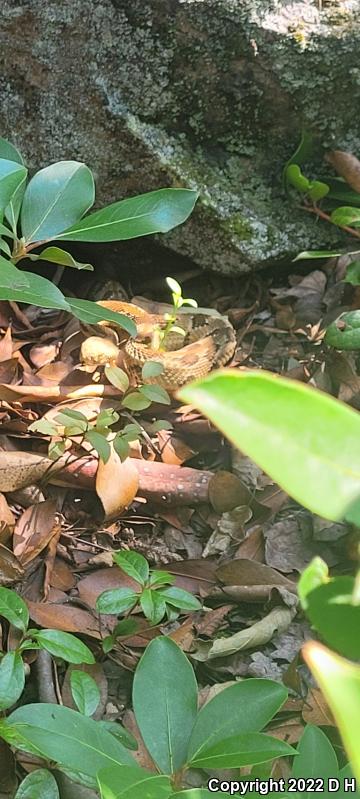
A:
182,496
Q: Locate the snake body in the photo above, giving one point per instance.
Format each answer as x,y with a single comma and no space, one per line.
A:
208,343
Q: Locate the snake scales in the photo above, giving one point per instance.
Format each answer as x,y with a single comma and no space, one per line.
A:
208,343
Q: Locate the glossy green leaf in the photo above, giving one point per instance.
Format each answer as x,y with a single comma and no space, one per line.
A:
75,742
20,286
165,700
308,255
339,681
133,564
353,274
152,369
241,750
202,793
161,578
316,757
304,150
318,190
125,782
64,645
99,444
39,784
4,247
92,313
155,212
9,152
136,401
155,394
332,614
245,707
14,609
56,198
296,179
116,601
152,605
344,333
5,231
12,679
315,574
57,256
85,692
316,435
346,215
120,733
117,377
180,599
12,175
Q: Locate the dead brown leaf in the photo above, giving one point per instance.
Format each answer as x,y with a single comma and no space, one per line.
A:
226,492
11,569
34,530
7,521
117,483
242,571
347,166
316,711
64,617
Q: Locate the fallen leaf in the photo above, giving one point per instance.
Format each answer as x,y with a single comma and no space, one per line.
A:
226,492
6,346
34,530
260,633
64,617
117,483
62,577
347,166
11,569
242,571
7,521
316,711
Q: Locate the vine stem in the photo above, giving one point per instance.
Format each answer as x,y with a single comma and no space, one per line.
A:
313,209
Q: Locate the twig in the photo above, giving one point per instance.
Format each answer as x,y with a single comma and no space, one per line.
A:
313,209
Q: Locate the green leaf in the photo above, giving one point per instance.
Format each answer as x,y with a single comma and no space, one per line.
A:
165,700
133,564
56,449
75,742
353,274
92,313
4,231
239,709
318,190
99,443
295,177
85,692
12,175
313,254
180,599
4,247
56,198
155,394
14,609
57,256
174,286
125,782
161,578
161,424
316,757
64,645
331,612
155,212
117,377
125,627
315,574
68,414
339,681
241,750
9,152
12,679
152,605
304,150
200,793
152,369
136,401
107,418
20,286
262,414
346,215
120,733
39,784
116,601
344,333
121,446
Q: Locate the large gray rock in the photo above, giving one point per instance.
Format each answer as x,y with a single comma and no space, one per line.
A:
205,93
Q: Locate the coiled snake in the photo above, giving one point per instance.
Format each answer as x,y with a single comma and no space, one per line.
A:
208,342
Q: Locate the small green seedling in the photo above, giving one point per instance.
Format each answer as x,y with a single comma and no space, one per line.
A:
156,596
57,643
